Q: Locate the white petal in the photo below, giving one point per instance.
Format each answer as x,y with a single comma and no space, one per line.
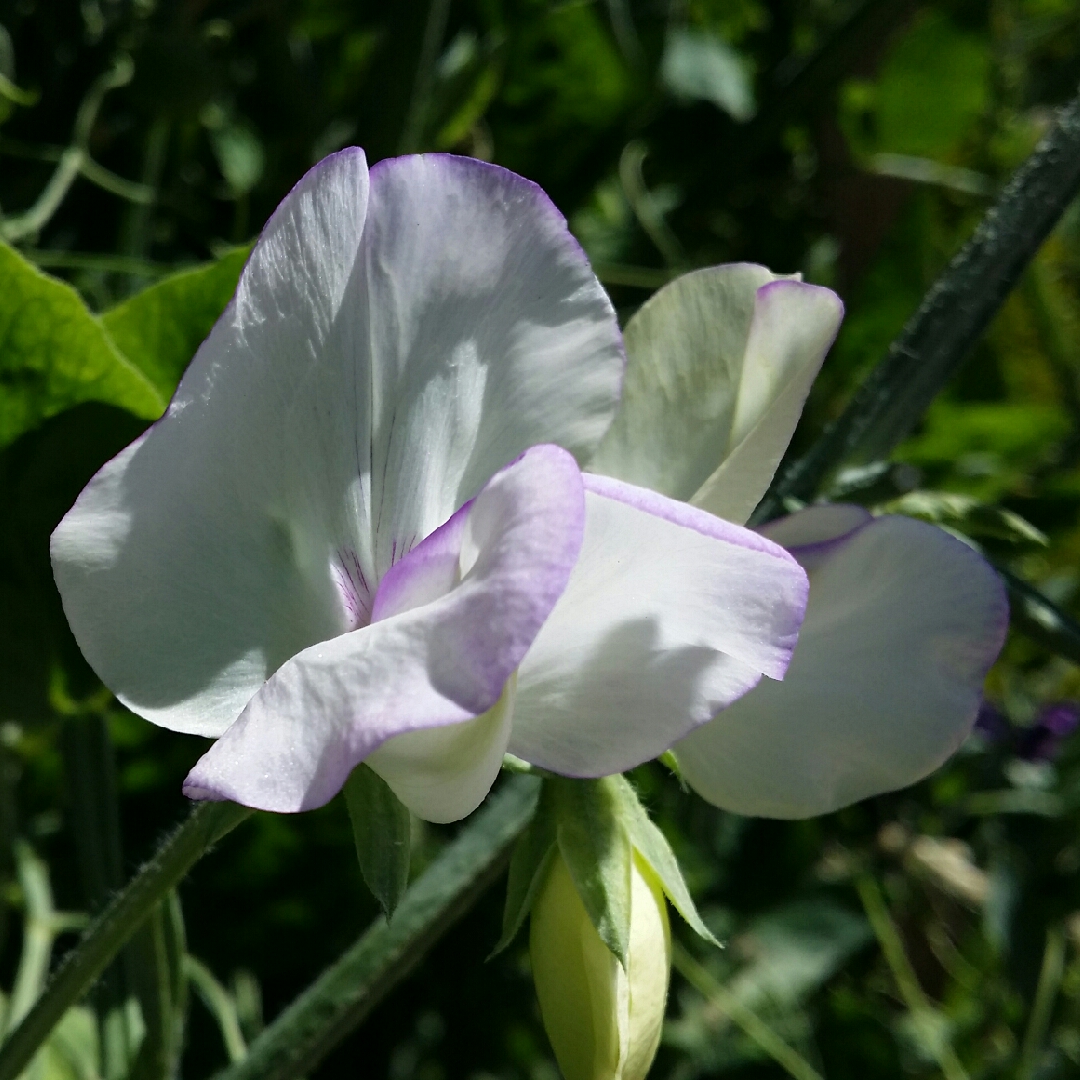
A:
812,535
387,351
902,625
670,615
199,559
719,365
443,663
794,326
816,525
685,349
443,773
488,333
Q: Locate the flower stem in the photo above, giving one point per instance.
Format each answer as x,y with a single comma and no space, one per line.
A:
385,953
951,318
922,1010
1053,966
115,926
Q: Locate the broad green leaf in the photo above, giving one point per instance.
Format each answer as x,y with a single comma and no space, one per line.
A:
55,354
159,329
381,827
652,846
596,847
528,866
933,87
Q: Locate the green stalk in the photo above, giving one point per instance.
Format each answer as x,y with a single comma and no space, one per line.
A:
1042,1010
221,1005
347,990
115,926
793,1063
950,319
907,982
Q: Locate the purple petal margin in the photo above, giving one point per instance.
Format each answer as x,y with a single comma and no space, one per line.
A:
681,513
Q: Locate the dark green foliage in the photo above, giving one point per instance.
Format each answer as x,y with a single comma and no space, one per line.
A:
859,143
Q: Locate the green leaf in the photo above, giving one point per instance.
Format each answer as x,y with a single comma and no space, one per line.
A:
55,354
652,846
528,867
932,89
381,829
159,329
596,847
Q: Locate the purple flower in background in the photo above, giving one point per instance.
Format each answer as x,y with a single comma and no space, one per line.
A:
992,724
361,533
1054,723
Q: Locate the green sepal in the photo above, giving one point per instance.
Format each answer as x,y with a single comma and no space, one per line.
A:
381,829
595,845
529,863
651,844
671,763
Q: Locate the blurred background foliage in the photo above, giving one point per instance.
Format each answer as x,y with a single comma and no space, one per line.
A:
934,932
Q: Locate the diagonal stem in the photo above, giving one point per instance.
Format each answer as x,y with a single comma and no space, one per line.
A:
347,990
951,318
115,926
793,1063
907,982
1050,975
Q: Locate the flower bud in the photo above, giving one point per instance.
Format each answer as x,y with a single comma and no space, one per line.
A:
604,1023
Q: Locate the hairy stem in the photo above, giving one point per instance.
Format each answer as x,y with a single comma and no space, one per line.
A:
115,926
951,318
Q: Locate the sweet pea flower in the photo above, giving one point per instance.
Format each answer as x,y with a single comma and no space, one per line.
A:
903,620
360,532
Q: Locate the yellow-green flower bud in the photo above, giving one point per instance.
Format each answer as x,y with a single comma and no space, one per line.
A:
604,1023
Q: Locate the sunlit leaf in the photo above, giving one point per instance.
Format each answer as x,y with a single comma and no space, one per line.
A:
54,354
160,328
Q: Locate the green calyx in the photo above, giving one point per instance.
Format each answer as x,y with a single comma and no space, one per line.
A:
596,827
